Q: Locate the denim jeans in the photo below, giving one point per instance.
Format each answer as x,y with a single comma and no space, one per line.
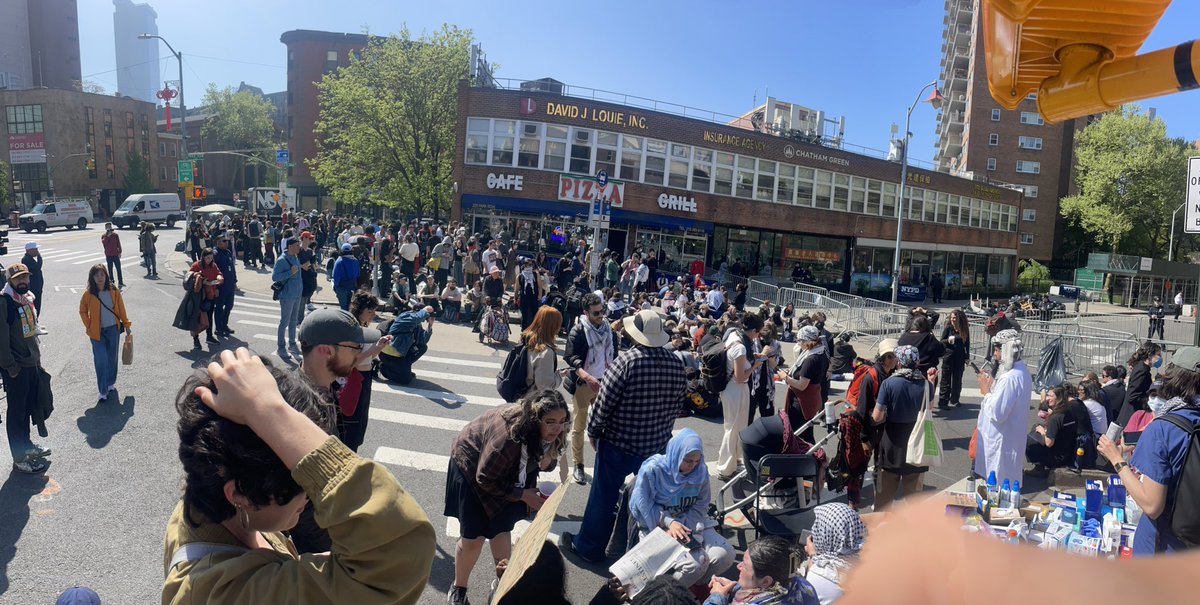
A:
115,261
104,357
343,296
289,317
612,466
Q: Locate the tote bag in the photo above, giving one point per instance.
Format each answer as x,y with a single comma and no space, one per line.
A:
924,445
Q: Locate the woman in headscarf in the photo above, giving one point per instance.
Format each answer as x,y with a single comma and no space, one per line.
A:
805,376
897,408
672,492
837,537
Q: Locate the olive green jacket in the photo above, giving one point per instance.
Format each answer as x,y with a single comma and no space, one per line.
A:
383,545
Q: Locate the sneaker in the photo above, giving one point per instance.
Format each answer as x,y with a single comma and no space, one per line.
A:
41,330
31,466
579,476
457,596
567,544
294,348
283,354
37,451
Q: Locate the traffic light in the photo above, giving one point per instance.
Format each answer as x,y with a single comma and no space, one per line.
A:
90,164
199,193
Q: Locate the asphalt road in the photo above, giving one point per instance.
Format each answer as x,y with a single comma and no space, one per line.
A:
97,517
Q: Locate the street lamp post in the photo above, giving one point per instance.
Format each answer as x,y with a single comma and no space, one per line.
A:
1171,245
182,105
935,99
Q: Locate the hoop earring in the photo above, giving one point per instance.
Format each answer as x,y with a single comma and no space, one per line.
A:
243,518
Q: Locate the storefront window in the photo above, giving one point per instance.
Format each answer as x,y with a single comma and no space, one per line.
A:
953,272
766,181
677,249
631,158
701,169
968,270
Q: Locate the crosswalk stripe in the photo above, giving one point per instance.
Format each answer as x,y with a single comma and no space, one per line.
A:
261,324
87,259
274,316
453,377
75,254
443,396
55,253
274,306
136,261
463,362
257,300
421,420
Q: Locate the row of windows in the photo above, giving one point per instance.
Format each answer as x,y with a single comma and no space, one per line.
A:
23,119
558,148
1025,166
1022,142
1032,118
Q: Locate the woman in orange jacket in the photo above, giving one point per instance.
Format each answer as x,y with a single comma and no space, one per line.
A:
104,318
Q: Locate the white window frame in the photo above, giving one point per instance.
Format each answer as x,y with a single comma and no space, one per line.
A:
995,115
1032,118
1029,214
1029,167
1026,239
993,139
991,163
1029,142
1031,191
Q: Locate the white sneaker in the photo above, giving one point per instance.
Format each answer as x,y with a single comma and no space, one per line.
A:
41,330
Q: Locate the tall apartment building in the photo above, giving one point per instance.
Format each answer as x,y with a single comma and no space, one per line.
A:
310,55
978,139
138,66
39,44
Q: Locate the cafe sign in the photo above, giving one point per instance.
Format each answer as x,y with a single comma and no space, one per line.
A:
584,190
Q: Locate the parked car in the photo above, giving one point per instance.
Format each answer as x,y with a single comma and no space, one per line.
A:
57,213
157,208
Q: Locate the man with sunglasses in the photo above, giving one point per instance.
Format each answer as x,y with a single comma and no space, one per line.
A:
591,348
331,343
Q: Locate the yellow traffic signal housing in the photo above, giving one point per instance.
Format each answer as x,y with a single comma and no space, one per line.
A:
1079,56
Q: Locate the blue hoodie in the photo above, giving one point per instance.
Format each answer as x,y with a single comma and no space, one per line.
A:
661,494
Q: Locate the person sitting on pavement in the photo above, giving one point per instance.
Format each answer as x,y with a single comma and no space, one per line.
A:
672,492
253,455
765,576
409,344
492,476
833,545
1054,444
451,300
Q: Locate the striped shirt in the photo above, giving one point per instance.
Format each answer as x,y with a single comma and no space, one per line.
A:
640,396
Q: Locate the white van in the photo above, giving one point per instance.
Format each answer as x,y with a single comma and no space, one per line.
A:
157,208
57,213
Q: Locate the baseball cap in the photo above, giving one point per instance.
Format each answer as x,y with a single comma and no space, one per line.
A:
347,247
31,246
332,326
1187,358
80,595
17,270
306,235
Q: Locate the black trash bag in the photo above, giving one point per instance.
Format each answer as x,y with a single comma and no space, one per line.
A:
1052,366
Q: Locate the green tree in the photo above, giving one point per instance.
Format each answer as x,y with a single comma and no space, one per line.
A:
1131,177
137,175
387,122
241,122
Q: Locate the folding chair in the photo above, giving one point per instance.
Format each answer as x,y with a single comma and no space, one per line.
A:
791,522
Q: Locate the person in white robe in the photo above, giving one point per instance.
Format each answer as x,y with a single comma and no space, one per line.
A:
1004,414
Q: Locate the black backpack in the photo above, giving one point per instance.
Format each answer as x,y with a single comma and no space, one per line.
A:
1182,514
510,382
713,365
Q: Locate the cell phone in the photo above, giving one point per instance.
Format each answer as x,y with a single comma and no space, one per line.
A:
974,367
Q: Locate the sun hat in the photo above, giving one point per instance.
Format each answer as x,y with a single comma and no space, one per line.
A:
646,328
888,345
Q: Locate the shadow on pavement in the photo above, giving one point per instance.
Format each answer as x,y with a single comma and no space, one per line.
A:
100,422
14,515
441,575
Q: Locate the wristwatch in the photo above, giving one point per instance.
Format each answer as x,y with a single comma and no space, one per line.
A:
1120,465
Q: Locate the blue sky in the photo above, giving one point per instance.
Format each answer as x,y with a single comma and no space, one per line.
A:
863,59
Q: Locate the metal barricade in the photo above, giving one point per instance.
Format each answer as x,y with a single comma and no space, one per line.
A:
1085,348
760,291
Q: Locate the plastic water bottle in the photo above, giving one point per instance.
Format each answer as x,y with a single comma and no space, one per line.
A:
1015,495
992,493
1005,494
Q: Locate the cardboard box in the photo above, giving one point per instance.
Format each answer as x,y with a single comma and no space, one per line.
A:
1081,545
1057,535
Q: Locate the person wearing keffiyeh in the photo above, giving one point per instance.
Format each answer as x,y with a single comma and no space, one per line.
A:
20,362
591,348
837,537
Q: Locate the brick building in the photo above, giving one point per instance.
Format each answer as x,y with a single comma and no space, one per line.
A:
979,139
310,55
700,194
49,134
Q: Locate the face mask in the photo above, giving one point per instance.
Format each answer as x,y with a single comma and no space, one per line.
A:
1155,403
1158,362
22,289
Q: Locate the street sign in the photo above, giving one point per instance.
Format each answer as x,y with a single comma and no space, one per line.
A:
195,157
1191,221
281,157
602,178
185,173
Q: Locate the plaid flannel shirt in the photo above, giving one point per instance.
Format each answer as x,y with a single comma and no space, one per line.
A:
491,460
640,396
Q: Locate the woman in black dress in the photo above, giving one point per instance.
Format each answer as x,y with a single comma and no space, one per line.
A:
956,336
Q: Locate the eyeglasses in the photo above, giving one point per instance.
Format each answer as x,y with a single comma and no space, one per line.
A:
356,347
596,313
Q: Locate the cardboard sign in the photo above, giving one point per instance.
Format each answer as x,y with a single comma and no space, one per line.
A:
529,546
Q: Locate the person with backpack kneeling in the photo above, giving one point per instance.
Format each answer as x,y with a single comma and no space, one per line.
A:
1166,482
410,342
